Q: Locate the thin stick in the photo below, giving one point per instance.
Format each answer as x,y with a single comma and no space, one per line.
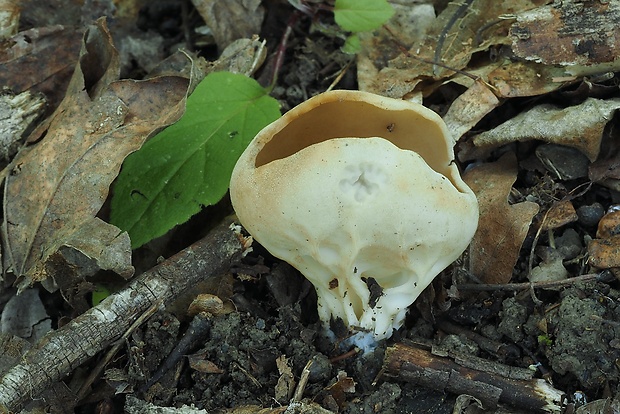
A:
281,52
340,75
303,380
528,285
346,355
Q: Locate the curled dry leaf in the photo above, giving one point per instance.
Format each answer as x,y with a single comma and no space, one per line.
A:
502,227
344,385
411,22
96,246
560,214
56,187
551,268
469,108
604,251
398,62
103,243
206,302
200,363
579,126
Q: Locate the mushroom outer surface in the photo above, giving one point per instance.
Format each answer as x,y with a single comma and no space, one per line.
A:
370,209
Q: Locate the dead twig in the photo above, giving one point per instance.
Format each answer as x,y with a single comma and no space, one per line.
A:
553,284
198,331
340,75
346,355
303,381
63,350
491,386
281,51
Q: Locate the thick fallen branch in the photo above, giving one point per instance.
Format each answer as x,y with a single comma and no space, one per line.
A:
61,351
494,386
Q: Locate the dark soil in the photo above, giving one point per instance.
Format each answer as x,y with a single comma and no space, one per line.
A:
245,344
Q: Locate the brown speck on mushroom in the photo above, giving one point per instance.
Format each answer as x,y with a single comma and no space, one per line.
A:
333,284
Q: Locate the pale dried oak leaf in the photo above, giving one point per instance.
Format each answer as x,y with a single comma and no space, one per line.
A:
502,226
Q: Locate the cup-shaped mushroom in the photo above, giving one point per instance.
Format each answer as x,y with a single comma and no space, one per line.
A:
360,193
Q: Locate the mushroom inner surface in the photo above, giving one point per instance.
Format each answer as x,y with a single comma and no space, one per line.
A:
407,129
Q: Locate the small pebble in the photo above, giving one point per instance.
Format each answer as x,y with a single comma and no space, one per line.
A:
564,162
321,368
590,215
569,244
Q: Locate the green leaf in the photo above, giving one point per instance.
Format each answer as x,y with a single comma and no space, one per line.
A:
189,164
352,45
99,294
362,15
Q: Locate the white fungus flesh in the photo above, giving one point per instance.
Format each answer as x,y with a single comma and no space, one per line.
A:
359,193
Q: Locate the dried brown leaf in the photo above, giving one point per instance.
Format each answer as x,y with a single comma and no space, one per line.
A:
518,79
410,22
560,214
52,12
206,302
469,108
25,316
609,225
286,381
604,253
343,385
198,362
105,244
96,246
57,186
550,269
502,227
40,60
462,29
231,20
580,126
